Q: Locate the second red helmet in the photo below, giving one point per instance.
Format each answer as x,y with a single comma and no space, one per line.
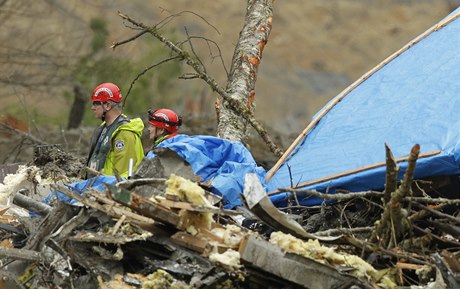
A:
165,119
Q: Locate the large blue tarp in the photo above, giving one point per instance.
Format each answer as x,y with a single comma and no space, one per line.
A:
413,99
222,162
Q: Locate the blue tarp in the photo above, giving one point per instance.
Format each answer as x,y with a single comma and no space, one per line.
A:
413,99
224,163
97,183
220,161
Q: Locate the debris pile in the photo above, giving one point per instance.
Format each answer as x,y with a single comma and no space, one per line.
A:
126,237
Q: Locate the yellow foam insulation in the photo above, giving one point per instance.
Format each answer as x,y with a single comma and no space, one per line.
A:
230,259
314,250
24,178
187,191
190,192
161,279
231,234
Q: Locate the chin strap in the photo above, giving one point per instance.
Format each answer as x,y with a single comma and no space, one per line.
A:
158,139
105,111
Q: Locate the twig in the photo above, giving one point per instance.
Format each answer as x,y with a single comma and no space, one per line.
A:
24,134
145,71
337,196
219,55
189,40
344,231
118,224
417,259
439,214
115,44
429,200
188,76
446,273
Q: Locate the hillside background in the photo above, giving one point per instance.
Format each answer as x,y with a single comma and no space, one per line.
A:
316,49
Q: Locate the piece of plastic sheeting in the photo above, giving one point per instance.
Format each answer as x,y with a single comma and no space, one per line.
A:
96,183
221,162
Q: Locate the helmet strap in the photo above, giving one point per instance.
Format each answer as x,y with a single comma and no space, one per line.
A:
158,139
112,105
104,112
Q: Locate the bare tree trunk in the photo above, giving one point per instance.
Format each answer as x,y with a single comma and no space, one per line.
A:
78,107
243,73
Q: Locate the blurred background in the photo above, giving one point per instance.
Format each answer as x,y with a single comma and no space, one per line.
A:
53,53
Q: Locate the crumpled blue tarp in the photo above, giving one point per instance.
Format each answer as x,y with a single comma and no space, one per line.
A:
223,162
97,183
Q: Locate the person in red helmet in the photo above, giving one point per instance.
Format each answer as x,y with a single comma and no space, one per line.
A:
164,124
116,145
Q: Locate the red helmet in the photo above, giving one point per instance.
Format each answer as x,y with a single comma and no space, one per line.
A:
166,119
106,91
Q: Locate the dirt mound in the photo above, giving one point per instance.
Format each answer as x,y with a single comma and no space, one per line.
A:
56,163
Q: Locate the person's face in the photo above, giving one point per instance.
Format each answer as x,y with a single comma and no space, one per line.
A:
98,108
154,132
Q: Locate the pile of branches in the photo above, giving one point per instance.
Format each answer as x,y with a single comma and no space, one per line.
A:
119,238
413,227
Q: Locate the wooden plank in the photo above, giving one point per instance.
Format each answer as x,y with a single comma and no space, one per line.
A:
4,210
294,268
408,266
190,242
110,210
143,206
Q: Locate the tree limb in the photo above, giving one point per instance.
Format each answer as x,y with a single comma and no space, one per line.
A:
237,106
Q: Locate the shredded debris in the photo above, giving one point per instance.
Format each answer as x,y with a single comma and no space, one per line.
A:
314,250
24,178
118,239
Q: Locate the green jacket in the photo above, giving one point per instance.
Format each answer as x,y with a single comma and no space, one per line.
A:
125,143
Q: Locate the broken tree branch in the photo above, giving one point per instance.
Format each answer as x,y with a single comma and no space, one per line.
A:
438,214
234,104
20,254
338,196
24,134
394,222
391,178
344,231
429,200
